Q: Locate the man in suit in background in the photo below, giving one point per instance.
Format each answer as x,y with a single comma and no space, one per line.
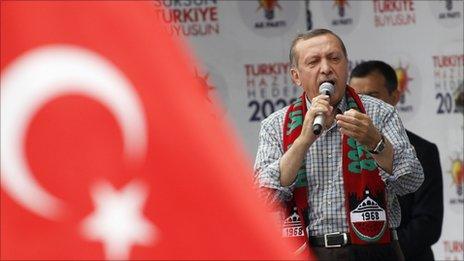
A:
422,211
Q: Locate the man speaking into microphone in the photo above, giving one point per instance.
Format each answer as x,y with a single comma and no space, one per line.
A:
349,172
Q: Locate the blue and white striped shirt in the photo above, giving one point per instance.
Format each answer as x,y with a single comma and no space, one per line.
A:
324,167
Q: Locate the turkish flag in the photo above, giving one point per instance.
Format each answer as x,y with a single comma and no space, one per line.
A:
110,150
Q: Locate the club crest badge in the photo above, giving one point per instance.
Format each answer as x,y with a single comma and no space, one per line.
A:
293,227
368,219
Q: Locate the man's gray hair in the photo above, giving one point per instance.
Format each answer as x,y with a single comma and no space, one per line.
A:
308,35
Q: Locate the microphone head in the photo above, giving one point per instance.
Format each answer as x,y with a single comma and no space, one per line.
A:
326,88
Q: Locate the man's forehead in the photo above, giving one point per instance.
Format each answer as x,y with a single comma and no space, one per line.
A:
372,81
325,41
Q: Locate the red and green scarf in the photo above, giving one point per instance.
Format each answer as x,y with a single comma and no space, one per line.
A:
365,203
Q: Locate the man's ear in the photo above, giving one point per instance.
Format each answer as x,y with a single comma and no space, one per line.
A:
395,96
295,76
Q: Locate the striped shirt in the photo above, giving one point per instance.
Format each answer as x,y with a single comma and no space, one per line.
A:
326,198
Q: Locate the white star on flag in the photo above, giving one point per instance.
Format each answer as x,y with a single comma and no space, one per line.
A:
117,220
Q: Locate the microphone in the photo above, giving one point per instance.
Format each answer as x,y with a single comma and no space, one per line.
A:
326,88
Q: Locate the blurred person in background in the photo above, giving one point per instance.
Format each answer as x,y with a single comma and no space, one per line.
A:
422,211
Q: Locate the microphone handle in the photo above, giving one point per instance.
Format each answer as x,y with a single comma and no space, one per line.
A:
318,124
319,120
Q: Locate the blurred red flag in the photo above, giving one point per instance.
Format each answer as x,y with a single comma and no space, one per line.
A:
109,150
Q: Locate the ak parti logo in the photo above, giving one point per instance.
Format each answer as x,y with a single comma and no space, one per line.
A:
269,6
341,5
403,80
342,15
449,5
269,18
206,87
409,86
457,174
448,13
212,86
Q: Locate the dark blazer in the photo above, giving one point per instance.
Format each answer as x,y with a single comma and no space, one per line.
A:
422,211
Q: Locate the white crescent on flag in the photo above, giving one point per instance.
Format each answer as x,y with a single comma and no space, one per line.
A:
41,75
